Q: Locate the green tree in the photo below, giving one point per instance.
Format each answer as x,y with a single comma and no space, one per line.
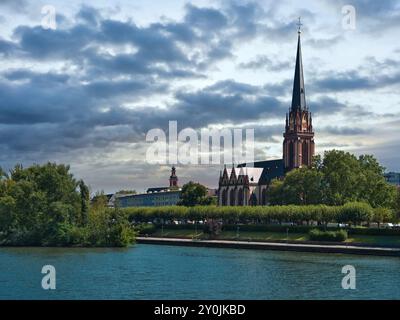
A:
342,173
303,186
275,193
338,178
382,215
85,201
193,194
396,206
44,205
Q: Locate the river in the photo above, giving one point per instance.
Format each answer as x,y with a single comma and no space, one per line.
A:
167,272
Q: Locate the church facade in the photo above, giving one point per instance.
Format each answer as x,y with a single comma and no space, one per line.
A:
243,186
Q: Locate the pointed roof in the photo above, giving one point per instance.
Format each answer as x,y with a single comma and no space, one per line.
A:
299,93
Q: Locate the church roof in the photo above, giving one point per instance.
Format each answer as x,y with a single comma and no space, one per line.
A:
299,94
254,174
270,170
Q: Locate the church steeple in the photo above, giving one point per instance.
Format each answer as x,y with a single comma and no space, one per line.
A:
299,94
298,146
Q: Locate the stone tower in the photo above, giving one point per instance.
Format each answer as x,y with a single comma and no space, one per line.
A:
298,145
173,179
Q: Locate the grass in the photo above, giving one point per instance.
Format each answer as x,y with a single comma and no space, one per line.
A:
274,236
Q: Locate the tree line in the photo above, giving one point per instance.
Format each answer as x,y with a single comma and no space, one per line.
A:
338,178
44,205
353,213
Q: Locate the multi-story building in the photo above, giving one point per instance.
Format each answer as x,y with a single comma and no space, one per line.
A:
154,197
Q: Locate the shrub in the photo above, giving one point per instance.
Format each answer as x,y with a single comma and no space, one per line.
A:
355,212
146,228
334,236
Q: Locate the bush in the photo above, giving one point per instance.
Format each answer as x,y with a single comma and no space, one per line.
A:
333,236
146,228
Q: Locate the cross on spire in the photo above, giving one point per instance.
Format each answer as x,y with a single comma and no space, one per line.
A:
299,24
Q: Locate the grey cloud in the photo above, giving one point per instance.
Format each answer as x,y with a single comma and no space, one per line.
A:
344,131
263,61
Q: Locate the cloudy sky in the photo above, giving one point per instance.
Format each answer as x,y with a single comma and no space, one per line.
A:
87,92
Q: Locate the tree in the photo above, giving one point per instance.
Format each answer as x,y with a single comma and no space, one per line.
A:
43,205
396,206
341,172
275,193
338,178
194,194
85,201
382,215
99,200
303,186
3,174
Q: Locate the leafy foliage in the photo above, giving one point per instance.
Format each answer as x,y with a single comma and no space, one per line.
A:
334,236
355,213
194,194
41,206
337,179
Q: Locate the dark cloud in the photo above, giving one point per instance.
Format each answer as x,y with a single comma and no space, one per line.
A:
344,131
205,18
326,105
106,73
353,80
264,62
7,47
88,15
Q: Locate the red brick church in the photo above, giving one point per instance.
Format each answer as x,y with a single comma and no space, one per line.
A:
243,185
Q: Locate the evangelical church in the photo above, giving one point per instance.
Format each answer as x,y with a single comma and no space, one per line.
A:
243,186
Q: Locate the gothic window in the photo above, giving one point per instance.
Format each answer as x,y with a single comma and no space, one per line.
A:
224,197
291,154
264,197
305,153
232,197
253,200
304,123
240,197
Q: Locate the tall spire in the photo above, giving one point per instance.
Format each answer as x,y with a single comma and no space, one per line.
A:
299,95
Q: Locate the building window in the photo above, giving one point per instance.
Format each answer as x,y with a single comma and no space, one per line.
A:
240,196
264,197
224,197
232,197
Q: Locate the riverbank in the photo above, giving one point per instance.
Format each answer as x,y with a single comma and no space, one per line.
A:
272,234
277,246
